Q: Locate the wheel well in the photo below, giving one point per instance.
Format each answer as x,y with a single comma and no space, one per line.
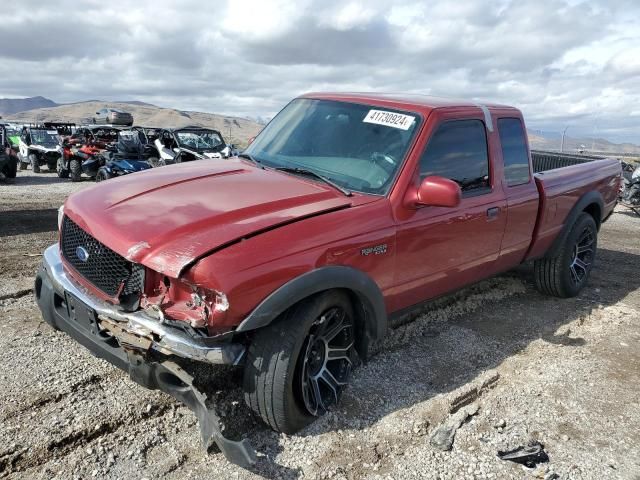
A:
593,209
360,320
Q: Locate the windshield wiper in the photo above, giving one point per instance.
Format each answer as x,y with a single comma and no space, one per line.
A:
311,173
251,159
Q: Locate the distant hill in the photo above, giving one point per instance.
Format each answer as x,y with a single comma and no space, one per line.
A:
9,106
234,129
543,140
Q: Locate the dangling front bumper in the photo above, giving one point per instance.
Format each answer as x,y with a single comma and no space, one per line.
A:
140,345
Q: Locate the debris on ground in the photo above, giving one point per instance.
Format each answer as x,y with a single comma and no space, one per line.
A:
443,436
471,392
529,455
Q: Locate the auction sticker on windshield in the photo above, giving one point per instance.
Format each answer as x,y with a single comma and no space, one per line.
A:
389,119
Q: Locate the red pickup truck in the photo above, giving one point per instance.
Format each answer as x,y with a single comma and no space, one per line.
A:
346,211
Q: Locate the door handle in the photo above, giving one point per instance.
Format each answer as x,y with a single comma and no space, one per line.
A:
492,213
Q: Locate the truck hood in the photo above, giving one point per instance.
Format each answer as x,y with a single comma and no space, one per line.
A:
166,218
43,149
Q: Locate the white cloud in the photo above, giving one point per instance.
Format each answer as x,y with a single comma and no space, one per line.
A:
564,62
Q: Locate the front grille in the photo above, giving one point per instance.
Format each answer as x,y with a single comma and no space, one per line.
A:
104,268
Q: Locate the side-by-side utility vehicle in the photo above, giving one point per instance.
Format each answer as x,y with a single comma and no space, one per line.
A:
186,144
39,146
8,161
346,212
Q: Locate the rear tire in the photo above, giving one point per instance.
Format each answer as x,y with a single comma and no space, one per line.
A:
290,359
565,274
75,170
23,163
35,164
102,175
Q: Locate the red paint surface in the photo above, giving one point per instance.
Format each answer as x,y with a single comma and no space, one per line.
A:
235,228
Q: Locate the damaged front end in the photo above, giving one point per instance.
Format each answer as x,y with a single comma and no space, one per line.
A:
171,322
198,306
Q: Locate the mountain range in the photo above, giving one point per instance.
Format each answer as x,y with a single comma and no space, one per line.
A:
9,106
235,129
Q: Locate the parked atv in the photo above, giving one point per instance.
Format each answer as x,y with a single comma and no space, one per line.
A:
148,136
629,195
8,165
39,146
128,155
83,151
64,129
187,144
13,136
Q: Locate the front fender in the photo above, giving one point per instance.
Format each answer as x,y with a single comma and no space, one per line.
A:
373,315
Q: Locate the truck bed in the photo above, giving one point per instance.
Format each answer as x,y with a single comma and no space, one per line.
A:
543,160
561,181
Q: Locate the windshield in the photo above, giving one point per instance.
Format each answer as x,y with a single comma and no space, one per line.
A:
105,134
359,147
200,140
46,138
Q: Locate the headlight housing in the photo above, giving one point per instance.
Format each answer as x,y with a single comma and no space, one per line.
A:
60,216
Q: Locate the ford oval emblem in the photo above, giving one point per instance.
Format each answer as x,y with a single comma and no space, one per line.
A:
82,254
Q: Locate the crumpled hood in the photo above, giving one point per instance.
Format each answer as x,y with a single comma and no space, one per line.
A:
168,217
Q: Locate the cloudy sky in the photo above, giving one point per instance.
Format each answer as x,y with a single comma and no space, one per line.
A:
564,63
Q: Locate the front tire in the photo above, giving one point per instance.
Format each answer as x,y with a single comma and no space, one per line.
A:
103,175
567,273
35,164
75,170
23,163
298,366
61,170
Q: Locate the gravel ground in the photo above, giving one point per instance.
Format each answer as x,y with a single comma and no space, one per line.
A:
563,372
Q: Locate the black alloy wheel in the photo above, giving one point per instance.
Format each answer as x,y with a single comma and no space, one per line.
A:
326,361
582,256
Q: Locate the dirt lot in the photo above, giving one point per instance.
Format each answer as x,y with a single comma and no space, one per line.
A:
564,372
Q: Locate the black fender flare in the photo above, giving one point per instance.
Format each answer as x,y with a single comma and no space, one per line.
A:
590,198
371,312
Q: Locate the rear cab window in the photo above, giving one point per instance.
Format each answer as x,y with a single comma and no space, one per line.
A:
514,151
458,151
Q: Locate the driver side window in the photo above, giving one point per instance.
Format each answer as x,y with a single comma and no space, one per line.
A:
458,151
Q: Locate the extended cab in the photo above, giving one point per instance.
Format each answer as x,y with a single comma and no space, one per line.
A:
347,211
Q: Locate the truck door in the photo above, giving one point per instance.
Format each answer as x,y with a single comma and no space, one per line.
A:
440,249
520,190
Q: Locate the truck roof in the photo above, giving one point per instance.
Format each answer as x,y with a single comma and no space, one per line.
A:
403,101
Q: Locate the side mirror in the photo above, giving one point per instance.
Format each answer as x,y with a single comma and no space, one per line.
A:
97,113
436,192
